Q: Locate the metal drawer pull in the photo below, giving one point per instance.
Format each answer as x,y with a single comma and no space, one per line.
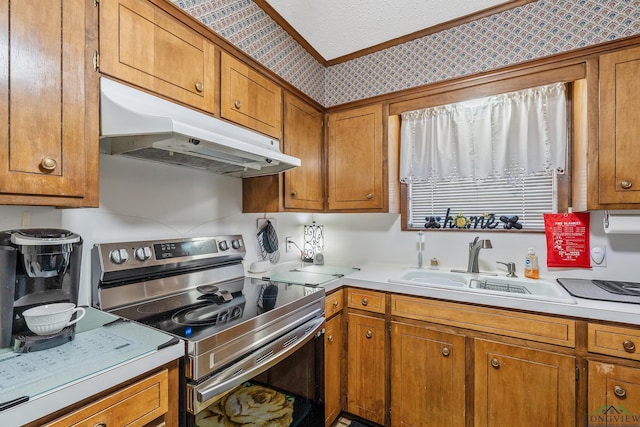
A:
629,346
626,185
445,352
620,392
336,303
48,163
237,103
330,338
495,363
365,302
369,334
101,425
199,86
369,196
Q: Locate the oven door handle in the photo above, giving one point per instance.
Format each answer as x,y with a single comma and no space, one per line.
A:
254,364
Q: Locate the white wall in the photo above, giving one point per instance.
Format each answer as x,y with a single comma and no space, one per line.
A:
143,200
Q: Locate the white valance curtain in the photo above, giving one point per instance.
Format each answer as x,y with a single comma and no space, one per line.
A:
510,135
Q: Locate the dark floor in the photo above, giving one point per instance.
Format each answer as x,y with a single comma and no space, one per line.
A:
345,422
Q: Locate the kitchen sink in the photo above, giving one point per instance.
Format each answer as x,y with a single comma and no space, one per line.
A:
431,278
535,289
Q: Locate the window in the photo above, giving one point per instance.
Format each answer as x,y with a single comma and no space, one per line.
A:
490,165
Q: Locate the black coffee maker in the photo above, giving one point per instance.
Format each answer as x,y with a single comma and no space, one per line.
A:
37,266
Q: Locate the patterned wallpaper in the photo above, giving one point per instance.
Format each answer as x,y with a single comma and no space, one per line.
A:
531,31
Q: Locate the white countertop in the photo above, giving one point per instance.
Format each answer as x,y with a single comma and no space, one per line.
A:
59,386
376,275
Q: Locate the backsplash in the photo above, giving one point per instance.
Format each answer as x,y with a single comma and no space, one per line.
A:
535,30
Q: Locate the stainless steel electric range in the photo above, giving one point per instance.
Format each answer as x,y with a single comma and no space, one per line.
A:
240,333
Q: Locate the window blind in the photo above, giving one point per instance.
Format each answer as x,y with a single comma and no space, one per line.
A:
528,198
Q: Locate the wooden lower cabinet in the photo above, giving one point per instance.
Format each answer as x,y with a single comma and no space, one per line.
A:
520,386
333,355
427,377
613,395
143,403
366,367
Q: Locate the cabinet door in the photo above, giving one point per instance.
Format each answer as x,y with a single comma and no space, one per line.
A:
303,186
355,162
427,377
332,369
48,104
522,387
248,98
614,395
366,367
619,153
145,46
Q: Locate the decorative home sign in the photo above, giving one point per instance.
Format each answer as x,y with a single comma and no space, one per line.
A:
486,221
567,240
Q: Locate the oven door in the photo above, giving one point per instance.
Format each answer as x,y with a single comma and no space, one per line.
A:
282,380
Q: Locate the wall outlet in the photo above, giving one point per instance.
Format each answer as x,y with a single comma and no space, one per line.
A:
288,241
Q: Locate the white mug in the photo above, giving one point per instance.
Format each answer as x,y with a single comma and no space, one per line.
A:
49,319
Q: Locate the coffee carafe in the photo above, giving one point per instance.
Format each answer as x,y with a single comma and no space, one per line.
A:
37,266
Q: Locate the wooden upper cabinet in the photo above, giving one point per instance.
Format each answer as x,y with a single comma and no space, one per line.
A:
301,188
619,150
248,98
143,45
48,103
355,163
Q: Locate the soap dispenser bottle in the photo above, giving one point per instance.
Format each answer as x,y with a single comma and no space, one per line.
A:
531,265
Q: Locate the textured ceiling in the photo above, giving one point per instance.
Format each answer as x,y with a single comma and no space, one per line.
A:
340,27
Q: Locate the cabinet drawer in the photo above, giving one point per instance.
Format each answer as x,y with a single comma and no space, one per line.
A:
333,303
532,327
366,300
132,406
614,341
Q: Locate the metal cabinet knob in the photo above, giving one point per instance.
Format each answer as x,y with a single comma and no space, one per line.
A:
620,392
365,302
48,163
446,352
199,86
294,194
101,425
237,104
369,196
330,338
336,304
369,334
495,363
626,184
629,346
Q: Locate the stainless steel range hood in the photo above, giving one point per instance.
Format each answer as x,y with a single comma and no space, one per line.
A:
136,124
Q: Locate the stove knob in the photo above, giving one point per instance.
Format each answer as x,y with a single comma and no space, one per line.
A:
119,256
223,245
236,243
143,254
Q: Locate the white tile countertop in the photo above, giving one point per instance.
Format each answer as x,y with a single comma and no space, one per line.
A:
106,351
376,276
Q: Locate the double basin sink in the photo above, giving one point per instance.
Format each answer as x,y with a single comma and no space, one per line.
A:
513,287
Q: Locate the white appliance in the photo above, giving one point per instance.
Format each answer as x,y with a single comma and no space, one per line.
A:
137,124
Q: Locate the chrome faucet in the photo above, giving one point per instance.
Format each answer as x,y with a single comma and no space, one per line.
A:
474,251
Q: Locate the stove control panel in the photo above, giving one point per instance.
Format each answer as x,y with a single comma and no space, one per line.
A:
129,255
